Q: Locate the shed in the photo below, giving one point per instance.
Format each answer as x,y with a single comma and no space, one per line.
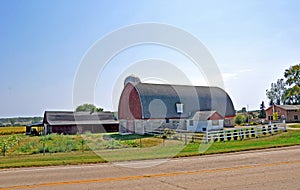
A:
201,121
35,128
68,122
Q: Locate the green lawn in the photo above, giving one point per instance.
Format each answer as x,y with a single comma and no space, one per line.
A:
283,139
294,126
127,148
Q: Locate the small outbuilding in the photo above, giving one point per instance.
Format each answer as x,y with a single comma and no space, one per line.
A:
68,122
201,121
35,129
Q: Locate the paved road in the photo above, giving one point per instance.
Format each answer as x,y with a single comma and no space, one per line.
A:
265,169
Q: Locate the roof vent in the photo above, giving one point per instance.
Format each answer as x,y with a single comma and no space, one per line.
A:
132,79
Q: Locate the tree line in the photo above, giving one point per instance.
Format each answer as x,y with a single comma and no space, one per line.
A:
16,121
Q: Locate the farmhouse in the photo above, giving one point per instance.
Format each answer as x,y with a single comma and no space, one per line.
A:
291,113
68,122
145,107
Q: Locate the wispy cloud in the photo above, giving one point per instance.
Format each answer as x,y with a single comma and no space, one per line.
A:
229,76
246,70
235,75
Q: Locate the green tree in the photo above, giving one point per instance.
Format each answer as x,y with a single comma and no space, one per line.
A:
262,113
292,93
292,75
239,119
88,108
275,116
12,121
275,93
6,143
244,110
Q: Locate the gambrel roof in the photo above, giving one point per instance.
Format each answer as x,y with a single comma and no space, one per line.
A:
193,98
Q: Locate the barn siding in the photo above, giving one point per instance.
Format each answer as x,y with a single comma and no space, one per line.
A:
130,105
74,129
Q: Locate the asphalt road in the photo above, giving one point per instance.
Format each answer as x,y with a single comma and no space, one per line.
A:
265,169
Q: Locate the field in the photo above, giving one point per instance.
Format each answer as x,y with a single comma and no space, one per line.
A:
12,130
25,151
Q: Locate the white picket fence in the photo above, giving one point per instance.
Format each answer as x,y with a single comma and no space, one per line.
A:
244,133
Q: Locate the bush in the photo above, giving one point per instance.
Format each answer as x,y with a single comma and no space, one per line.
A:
253,123
239,119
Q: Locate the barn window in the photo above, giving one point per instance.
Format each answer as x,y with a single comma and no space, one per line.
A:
191,122
179,107
227,121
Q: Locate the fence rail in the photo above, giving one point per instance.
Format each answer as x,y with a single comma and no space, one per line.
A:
230,134
243,133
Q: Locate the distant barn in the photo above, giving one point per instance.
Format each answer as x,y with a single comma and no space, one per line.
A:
144,107
67,122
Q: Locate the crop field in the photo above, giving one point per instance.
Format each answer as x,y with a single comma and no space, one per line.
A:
12,130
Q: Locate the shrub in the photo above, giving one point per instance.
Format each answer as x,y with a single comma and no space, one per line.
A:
239,119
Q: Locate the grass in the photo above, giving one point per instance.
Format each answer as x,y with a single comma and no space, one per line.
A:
280,140
128,148
50,159
294,126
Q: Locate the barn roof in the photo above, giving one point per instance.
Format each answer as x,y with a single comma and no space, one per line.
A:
202,115
289,107
78,118
162,98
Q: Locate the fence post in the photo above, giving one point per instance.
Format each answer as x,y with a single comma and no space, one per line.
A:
284,126
44,148
206,137
241,133
185,139
256,132
235,135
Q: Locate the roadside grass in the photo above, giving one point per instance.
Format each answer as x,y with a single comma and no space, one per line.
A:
38,160
124,148
12,130
294,125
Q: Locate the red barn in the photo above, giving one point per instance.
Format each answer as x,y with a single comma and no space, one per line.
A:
144,107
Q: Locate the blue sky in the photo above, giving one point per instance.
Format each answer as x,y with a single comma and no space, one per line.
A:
42,44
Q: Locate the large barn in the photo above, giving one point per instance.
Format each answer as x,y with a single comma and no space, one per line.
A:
145,107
